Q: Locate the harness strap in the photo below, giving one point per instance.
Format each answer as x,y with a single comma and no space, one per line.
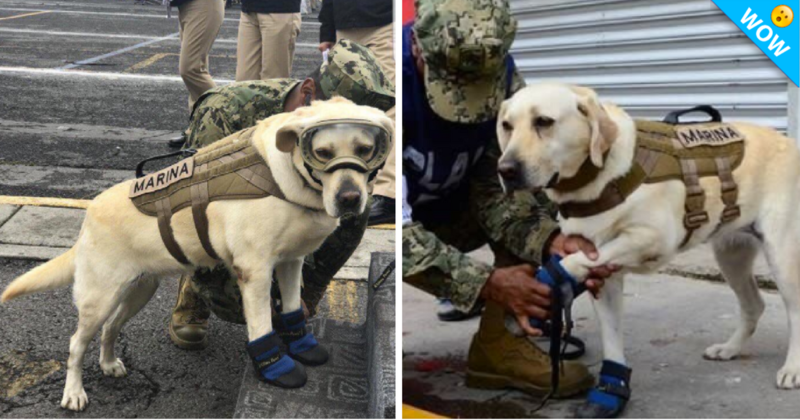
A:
164,212
696,215
199,207
261,177
730,192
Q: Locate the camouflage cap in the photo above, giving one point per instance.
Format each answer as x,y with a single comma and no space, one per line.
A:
352,71
464,44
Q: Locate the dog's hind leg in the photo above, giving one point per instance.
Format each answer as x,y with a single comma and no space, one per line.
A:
97,295
140,292
735,256
782,249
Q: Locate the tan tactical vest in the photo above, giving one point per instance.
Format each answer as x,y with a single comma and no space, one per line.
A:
230,169
684,152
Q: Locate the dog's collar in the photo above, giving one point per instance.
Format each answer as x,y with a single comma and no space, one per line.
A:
587,173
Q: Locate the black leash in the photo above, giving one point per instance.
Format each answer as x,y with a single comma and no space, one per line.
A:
564,289
184,153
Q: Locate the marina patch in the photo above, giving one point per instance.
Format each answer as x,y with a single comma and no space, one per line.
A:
163,178
695,135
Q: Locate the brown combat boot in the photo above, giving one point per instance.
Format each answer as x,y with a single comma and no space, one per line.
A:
497,360
188,327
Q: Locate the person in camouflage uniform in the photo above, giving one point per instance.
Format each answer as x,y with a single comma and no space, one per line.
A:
456,73
352,72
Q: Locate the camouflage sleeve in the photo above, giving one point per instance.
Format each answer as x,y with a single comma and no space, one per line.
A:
441,270
522,223
207,126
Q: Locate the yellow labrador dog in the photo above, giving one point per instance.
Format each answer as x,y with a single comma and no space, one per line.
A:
550,130
119,256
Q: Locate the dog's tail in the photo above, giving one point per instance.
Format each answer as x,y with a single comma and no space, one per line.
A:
58,272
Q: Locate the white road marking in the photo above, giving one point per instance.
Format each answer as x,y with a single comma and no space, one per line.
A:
117,52
137,15
99,75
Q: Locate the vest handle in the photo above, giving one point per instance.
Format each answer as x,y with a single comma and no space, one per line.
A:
140,166
674,116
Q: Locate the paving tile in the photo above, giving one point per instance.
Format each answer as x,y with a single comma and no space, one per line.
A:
43,226
6,211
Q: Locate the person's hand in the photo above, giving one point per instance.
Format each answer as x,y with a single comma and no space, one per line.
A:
325,46
563,245
516,289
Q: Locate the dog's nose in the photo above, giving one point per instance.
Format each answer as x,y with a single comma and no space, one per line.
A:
348,198
508,170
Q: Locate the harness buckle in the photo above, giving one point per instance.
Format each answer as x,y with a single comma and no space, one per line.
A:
730,213
695,219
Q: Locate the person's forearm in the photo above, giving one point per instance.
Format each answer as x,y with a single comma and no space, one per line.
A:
441,270
521,223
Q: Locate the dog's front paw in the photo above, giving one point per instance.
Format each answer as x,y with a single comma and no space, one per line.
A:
721,352
789,377
75,400
115,369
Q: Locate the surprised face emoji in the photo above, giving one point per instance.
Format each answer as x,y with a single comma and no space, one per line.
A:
782,16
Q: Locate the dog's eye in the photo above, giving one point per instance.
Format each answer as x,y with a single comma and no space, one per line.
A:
507,126
364,150
543,122
324,153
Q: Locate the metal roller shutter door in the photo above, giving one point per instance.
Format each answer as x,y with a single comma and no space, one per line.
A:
651,56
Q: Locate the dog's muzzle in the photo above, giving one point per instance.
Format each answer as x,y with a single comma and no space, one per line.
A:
381,137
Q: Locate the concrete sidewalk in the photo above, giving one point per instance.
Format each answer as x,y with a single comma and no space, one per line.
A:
669,321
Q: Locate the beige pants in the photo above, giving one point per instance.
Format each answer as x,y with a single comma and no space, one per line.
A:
200,21
265,47
379,40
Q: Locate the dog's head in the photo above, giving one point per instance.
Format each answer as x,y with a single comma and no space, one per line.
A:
337,150
547,131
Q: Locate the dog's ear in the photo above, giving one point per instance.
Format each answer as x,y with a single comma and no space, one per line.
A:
604,130
388,123
286,137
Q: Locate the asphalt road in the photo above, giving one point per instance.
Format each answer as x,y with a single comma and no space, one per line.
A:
71,133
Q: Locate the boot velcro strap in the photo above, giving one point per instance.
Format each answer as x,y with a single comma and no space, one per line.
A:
265,344
302,344
616,370
293,326
615,390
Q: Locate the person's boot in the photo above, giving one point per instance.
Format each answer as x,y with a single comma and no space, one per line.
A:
177,142
381,210
497,359
188,327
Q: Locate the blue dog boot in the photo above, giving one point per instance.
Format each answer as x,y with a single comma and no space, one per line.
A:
303,347
272,365
609,397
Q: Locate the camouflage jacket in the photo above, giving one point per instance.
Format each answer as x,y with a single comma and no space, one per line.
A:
522,224
225,110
